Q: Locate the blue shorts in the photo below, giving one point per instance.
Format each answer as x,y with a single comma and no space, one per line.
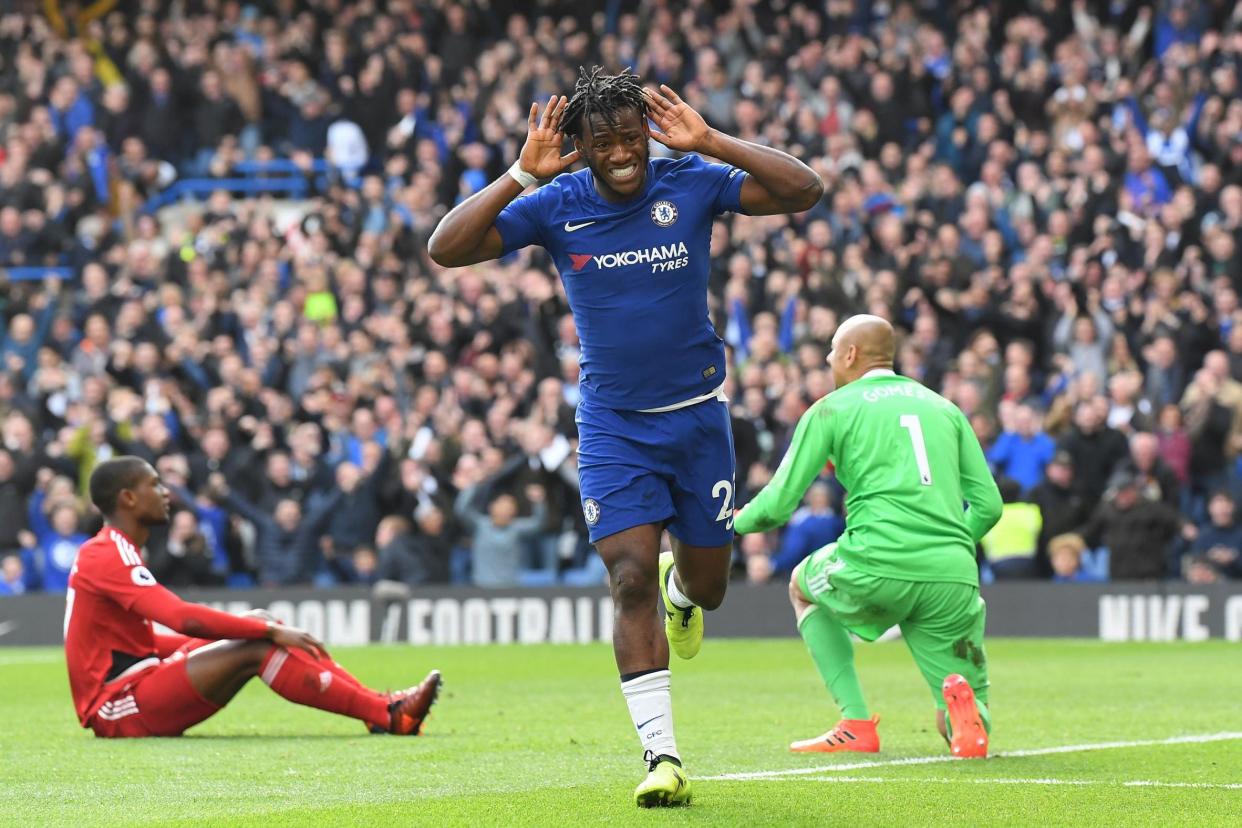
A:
674,467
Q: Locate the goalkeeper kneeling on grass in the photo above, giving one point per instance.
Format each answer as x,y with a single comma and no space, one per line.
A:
908,460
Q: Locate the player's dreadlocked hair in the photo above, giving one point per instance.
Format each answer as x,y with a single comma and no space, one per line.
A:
596,93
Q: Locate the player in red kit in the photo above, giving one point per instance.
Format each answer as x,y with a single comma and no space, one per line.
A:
128,680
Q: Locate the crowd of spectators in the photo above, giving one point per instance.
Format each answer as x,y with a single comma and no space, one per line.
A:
1045,197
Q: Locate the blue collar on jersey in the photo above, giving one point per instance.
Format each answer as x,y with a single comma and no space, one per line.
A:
635,199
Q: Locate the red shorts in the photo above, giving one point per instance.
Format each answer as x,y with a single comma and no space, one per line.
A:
159,701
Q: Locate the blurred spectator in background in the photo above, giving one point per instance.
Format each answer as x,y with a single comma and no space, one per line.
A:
54,519
1208,423
1217,542
356,513
1066,555
544,460
1174,445
17,481
287,539
1156,480
187,561
411,557
1094,448
1062,506
498,535
12,576
813,526
1136,532
1011,544
1022,449
757,557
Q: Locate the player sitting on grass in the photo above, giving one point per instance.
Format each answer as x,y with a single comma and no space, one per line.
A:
908,461
128,680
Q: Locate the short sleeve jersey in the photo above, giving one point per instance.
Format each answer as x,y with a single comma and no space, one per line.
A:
103,637
635,274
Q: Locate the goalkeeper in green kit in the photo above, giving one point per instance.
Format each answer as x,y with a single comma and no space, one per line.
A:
919,496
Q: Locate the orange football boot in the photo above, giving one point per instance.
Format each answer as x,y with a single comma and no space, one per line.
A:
853,735
409,708
970,737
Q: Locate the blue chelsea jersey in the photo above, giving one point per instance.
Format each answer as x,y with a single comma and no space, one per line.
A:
635,274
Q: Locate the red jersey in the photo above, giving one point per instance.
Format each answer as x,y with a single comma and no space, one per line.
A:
111,602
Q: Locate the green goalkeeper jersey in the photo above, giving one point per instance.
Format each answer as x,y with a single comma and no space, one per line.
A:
919,494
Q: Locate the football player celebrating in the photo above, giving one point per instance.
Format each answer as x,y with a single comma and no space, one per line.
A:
128,680
630,237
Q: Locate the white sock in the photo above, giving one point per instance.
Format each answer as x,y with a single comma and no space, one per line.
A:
674,594
651,710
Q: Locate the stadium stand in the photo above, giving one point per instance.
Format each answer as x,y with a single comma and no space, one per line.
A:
213,225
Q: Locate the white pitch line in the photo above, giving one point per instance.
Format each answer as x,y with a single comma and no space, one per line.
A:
1012,754
933,780
1136,783
30,658
1148,783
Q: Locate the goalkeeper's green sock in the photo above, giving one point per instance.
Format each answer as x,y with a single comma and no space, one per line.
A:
984,716
833,654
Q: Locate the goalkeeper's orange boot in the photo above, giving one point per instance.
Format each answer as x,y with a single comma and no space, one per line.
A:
850,735
969,736
409,709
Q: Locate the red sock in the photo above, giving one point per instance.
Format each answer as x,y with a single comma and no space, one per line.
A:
340,672
299,678
337,670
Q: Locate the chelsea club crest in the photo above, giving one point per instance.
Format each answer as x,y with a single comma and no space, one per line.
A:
664,213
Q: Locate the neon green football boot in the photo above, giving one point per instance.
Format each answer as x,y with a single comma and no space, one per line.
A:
684,627
666,785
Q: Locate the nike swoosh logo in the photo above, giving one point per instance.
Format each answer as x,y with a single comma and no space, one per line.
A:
649,721
7,627
569,228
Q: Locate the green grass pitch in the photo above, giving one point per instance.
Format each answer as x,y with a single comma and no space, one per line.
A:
540,736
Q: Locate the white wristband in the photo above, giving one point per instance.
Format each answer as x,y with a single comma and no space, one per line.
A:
521,176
